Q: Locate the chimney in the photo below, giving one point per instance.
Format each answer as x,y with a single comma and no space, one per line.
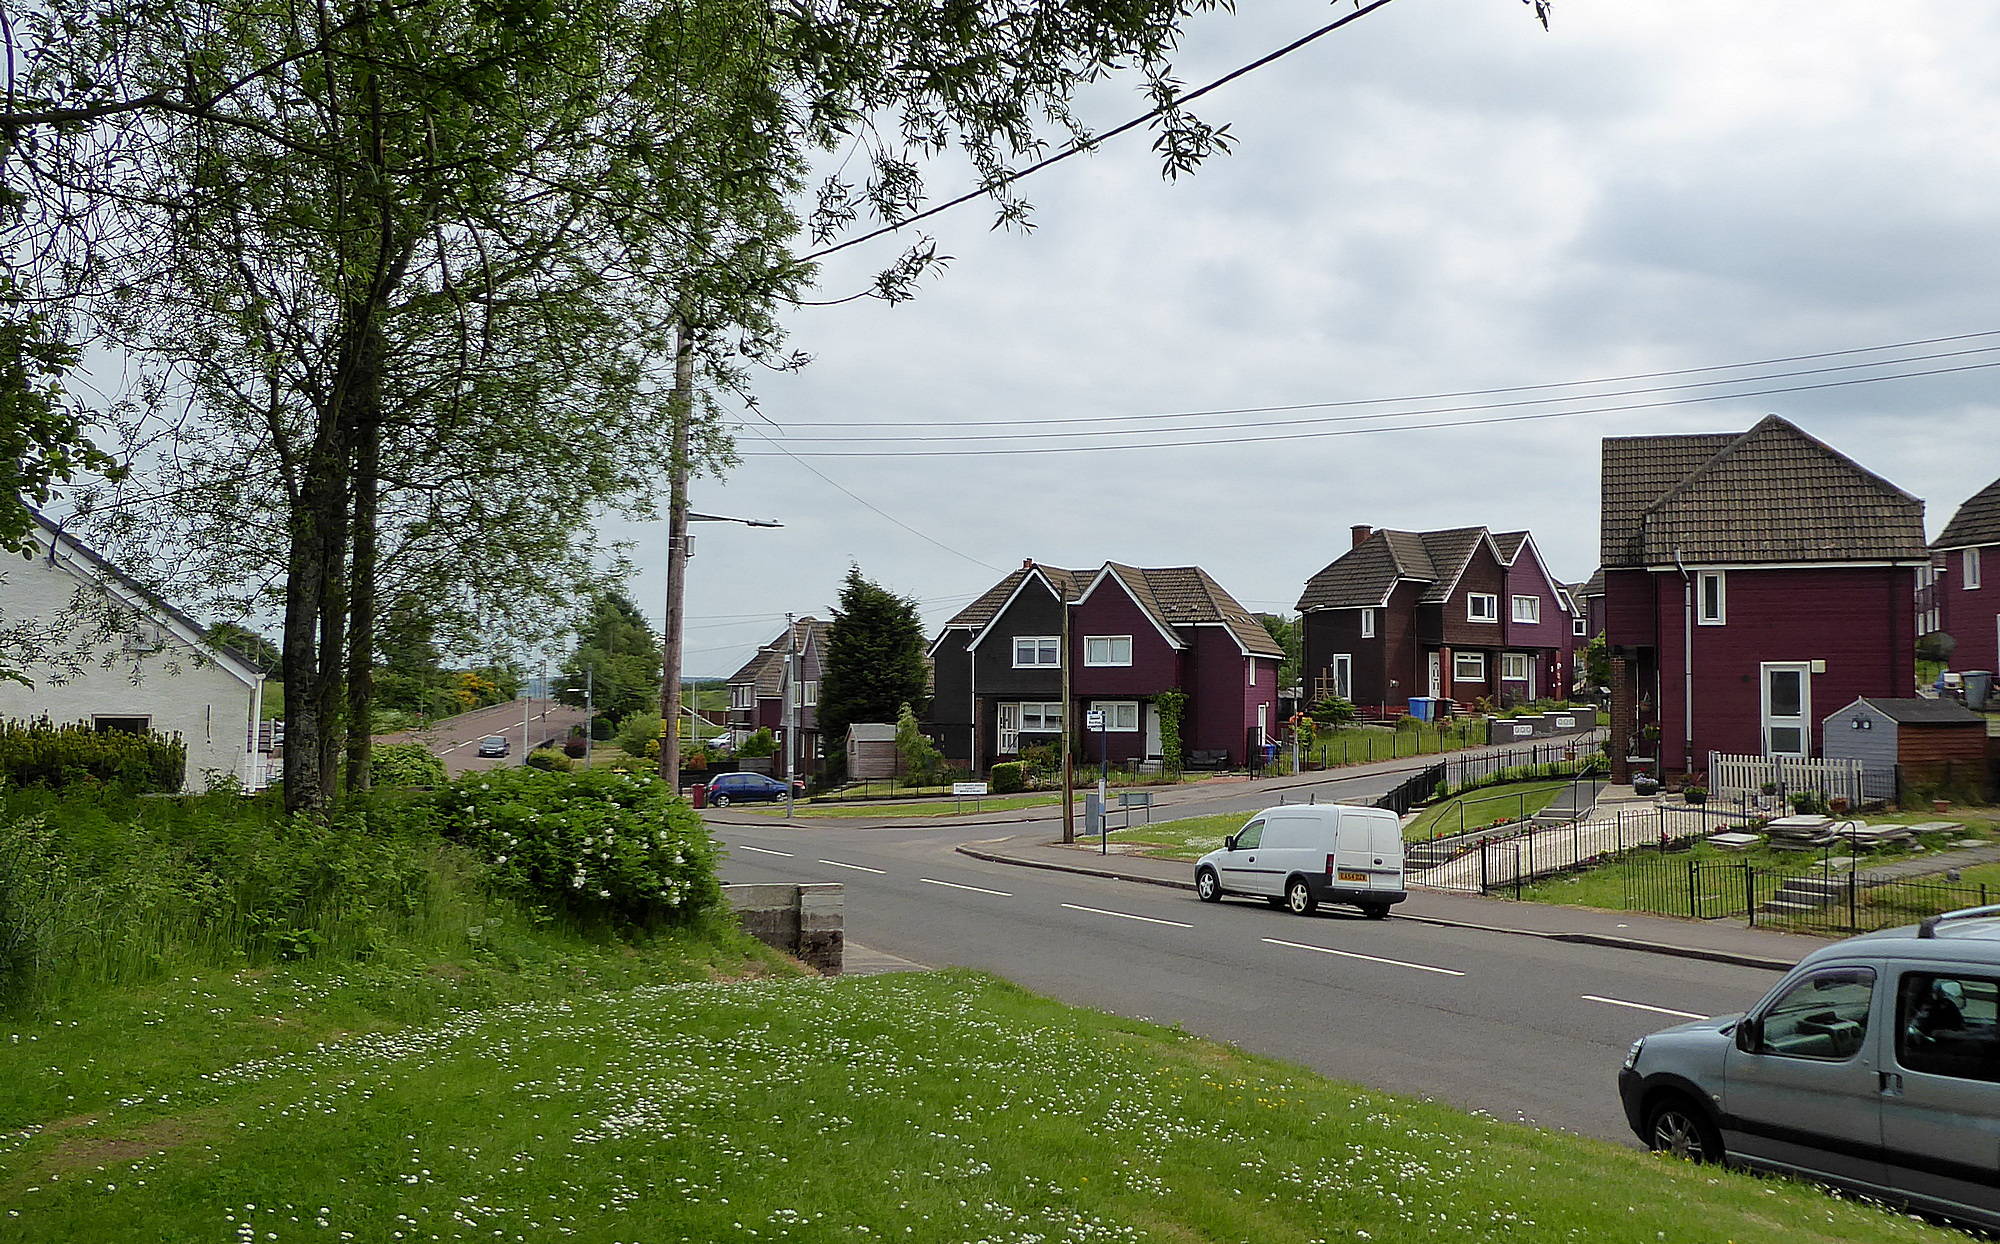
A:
1027,563
1361,533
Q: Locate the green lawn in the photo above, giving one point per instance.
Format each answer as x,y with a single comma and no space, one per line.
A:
1479,808
944,807
1189,838
397,1103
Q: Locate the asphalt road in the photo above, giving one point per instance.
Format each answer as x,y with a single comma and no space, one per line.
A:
1517,1027
456,739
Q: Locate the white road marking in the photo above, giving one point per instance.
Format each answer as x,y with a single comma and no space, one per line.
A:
744,846
1348,954
1641,1006
976,889
1123,915
860,868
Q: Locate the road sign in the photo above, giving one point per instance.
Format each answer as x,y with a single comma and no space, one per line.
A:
1094,719
968,788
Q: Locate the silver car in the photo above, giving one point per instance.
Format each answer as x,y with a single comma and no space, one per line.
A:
1874,1064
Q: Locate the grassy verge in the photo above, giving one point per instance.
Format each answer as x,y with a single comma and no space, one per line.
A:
940,1107
1189,838
1479,808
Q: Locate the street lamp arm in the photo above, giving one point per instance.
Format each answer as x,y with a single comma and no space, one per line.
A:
725,518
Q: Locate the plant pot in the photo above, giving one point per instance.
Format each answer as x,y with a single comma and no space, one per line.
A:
1940,805
1837,807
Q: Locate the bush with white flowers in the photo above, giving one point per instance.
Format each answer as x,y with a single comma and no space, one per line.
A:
598,843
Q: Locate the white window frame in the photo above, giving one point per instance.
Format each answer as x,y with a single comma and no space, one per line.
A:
1472,602
1511,660
1115,712
1458,660
1531,613
742,696
1040,711
1343,675
1110,648
1367,624
811,689
1579,626
1703,615
1968,563
1050,645
1250,668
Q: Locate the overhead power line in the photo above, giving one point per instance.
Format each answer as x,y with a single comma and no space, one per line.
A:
1402,427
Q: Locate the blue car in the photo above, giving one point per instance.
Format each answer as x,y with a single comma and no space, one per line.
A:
727,788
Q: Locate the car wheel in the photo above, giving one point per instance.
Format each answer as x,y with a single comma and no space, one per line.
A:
718,801
1375,911
1299,897
1207,886
1679,1129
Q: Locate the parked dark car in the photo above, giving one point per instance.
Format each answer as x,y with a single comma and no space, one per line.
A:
493,745
727,788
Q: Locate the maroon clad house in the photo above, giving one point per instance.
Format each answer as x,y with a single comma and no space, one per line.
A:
758,691
1968,590
1462,614
1752,582
1134,633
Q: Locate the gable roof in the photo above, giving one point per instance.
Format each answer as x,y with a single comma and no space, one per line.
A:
1364,575
1977,521
767,668
1189,596
1771,494
139,598
981,612
1593,586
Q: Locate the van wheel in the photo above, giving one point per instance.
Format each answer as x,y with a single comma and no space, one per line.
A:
1299,897
1375,911
1681,1130
1207,886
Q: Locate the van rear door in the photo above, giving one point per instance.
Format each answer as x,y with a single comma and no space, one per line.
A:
1370,851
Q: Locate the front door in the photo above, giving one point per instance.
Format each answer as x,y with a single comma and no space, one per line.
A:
1787,708
1152,716
1436,679
1010,730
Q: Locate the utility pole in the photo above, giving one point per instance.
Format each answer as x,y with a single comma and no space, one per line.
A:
680,409
1069,768
589,714
791,706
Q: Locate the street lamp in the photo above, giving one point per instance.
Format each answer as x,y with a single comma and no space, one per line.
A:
678,517
589,710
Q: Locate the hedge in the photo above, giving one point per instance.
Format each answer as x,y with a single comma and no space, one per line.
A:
37,753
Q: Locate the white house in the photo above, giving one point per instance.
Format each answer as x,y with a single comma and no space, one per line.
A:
94,646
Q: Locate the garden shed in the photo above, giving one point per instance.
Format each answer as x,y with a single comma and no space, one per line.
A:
871,751
1924,742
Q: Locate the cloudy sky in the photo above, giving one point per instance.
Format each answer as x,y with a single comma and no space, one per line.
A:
1440,198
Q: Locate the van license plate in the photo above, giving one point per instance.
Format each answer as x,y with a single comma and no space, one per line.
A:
1346,875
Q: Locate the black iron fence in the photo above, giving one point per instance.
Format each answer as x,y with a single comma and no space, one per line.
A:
1460,770
1816,901
1506,861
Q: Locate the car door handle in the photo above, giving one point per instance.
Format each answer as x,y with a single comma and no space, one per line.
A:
1891,1083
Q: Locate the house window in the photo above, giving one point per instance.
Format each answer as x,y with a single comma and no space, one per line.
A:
742,695
1107,650
1970,562
1250,666
1711,598
1041,718
1367,624
1120,716
1527,609
1579,626
121,725
1482,607
1343,676
1513,667
1468,666
806,694
1031,651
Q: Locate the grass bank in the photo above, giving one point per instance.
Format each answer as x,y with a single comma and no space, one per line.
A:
1485,806
939,1107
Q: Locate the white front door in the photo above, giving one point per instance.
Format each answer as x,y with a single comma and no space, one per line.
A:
1152,715
1436,670
1787,708
1010,730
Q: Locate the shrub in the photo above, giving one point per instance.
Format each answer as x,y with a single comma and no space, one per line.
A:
594,844
1008,778
1332,710
639,734
1042,758
37,753
921,758
576,745
549,760
762,743
405,764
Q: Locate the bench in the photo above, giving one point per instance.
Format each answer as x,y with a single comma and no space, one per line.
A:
1208,758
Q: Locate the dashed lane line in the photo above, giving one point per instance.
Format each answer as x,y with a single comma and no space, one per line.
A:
976,889
860,868
1126,915
1641,1006
744,846
1348,954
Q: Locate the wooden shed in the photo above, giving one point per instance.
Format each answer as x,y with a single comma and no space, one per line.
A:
871,751
1924,741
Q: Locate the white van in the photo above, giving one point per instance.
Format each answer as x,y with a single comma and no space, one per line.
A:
1302,855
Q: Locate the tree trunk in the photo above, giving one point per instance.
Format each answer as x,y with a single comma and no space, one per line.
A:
366,394
300,663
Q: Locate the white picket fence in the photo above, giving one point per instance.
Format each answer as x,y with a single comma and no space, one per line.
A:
1834,779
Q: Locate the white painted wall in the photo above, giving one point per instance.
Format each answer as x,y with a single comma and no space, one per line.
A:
180,688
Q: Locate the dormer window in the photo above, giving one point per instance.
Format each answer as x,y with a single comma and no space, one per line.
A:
1107,650
1035,651
1482,607
1527,609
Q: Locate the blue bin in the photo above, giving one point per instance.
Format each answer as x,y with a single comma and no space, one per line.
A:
1423,708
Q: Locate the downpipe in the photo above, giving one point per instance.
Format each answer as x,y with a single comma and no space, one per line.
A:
1687,665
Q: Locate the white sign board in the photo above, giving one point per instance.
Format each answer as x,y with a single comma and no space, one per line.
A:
1565,723
968,788
1523,730
1094,719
